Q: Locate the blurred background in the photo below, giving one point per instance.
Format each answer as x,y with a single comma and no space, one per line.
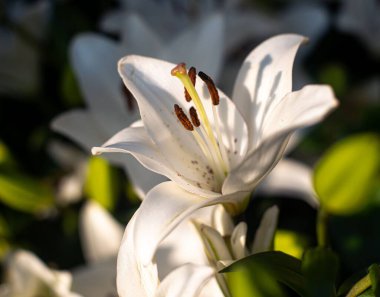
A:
56,200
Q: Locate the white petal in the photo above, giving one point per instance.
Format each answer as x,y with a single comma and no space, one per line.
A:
265,78
238,241
184,245
156,92
193,46
297,110
214,242
265,232
94,59
292,179
138,38
97,279
133,279
222,221
256,165
100,233
80,126
163,209
134,140
186,281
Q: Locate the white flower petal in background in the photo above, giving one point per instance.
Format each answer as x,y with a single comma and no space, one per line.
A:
100,233
19,58
96,279
292,179
265,232
27,276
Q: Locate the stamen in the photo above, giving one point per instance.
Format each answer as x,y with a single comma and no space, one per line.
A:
211,87
182,117
192,73
194,117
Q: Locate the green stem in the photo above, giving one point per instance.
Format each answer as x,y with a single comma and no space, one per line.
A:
360,287
322,219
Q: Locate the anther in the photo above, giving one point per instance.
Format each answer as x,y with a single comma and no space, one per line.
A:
182,117
194,117
192,73
211,87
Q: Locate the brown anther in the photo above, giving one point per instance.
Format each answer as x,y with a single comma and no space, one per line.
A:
182,117
192,74
129,98
211,87
179,69
194,117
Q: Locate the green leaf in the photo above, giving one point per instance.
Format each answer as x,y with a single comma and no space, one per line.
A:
368,293
282,267
320,268
24,193
374,274
346,175
253,281
102,182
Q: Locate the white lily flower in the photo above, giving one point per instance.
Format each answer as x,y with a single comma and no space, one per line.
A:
27,276
202,245
109,109
180,267
19,58
362,19
222,156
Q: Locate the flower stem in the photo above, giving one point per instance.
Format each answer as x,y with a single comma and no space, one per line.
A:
322,219
360,287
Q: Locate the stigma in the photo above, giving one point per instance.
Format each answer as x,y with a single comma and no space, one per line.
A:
207,136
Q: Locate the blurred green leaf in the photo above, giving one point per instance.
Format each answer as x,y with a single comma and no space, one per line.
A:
368,293
280,266
6,159
335,76
70,89
24,193
320,268
374,274
345,176
102,182
290,243
253,281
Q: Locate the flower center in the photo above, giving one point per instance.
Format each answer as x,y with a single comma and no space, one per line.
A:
210,143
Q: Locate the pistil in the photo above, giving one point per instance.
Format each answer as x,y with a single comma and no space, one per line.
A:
188,80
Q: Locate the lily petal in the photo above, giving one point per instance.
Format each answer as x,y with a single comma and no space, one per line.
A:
163,209
290,178
297,110
186,281
100,233
193,46
265,233
99,81
238,240
265,78
80,126
156,92
132,279
96,279
138,38
135,140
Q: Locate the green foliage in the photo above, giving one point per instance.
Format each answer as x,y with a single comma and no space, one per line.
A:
334,75
345,176
276,266
102,182
24,193
320,268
